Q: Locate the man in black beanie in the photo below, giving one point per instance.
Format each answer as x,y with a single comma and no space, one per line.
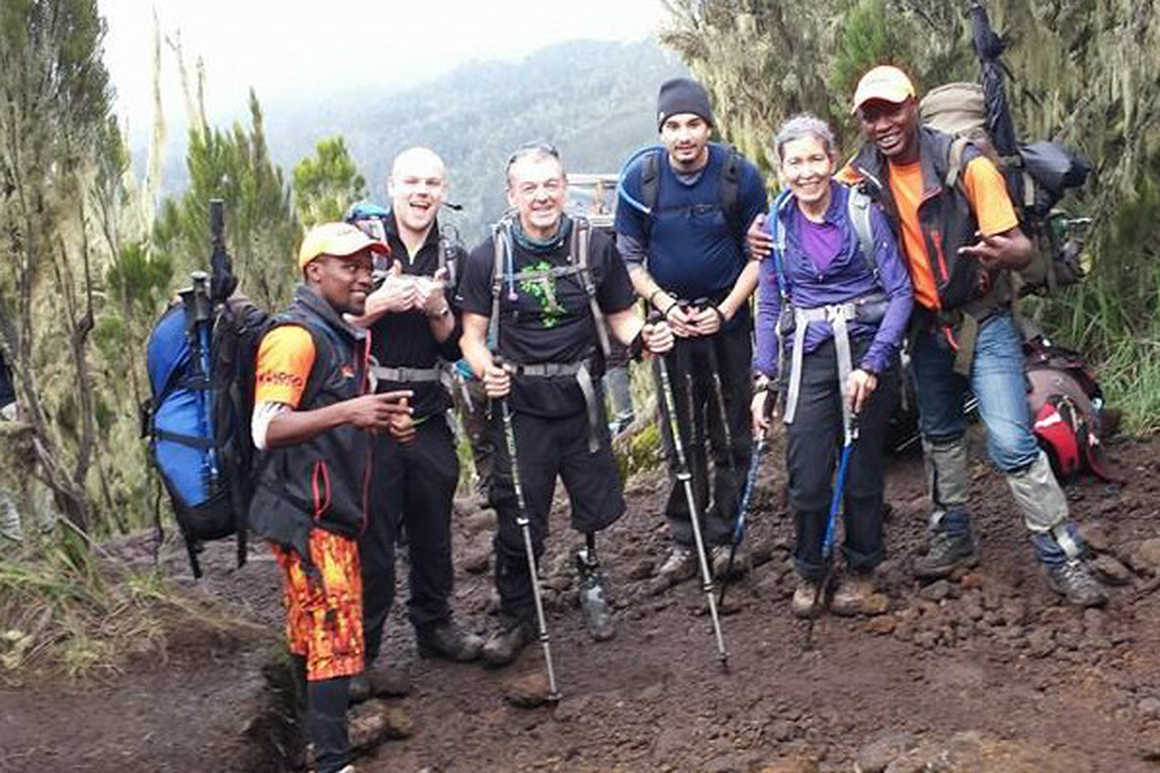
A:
680,225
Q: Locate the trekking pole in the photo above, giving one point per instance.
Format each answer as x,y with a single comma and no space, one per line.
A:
686,479
718,392
851,432
743,506
526,527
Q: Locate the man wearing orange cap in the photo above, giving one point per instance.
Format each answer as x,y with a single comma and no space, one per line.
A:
961,239
311,417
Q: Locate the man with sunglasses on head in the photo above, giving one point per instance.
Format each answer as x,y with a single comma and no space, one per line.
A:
413,329
685,248
537,295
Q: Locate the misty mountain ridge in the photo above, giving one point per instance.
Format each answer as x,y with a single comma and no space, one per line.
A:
594,100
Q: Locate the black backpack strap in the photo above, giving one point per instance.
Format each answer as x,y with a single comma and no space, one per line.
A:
650,179
578,250
728,190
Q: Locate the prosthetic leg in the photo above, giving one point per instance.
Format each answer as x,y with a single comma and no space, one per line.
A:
597,612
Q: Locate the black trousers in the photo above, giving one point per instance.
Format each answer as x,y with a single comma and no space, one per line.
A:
413,485
691,367
812,454
545,449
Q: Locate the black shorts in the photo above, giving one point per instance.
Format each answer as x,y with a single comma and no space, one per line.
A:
547,448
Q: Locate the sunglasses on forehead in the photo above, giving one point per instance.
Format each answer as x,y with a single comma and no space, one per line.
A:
529,148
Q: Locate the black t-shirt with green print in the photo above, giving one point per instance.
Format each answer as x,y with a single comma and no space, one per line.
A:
549,319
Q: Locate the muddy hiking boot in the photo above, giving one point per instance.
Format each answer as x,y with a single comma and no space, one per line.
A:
719,562
851,596
597,613
448,641
681,565
948,551
505,645
1073,580
807,602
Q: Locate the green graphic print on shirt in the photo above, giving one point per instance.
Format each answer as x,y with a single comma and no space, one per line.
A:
543,289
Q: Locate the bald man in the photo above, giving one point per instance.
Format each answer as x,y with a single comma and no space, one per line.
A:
413,329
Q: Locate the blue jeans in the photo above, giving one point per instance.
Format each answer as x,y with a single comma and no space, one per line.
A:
997,380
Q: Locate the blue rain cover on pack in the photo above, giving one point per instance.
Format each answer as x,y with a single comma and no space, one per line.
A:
178,408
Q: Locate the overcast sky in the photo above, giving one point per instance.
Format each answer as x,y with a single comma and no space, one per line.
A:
305,49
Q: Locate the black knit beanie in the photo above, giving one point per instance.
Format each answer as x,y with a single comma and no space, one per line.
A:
683,95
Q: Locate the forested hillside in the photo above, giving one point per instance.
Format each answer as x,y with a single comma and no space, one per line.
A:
593,99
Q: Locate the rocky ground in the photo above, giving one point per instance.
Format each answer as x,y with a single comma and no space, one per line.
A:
984,672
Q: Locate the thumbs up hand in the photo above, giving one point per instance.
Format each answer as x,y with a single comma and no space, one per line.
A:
397,293
429,293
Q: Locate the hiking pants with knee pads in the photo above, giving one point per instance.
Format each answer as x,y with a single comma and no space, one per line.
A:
814,446
1000,385
547,448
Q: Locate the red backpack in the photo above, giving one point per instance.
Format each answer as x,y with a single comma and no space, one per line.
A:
1066,403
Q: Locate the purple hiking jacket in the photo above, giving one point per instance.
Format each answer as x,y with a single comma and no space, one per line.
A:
847,278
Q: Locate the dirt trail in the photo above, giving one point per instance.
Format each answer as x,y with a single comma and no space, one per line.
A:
985,672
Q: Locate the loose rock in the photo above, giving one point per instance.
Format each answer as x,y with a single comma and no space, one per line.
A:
876,604
936,591
527,691
371,723
875,756
642,570
792,765
882,625
971,580
1147,554
1041,642
571,709
1111,571
477,561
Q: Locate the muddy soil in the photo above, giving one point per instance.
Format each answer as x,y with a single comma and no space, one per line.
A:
987,671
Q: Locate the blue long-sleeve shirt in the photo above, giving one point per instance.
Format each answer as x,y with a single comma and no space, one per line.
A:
846,278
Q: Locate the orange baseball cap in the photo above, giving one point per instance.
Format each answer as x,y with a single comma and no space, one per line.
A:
884,82
338,239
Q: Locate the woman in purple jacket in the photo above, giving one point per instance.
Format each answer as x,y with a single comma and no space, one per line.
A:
833,303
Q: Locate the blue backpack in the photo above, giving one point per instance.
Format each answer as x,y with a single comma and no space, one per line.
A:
200,358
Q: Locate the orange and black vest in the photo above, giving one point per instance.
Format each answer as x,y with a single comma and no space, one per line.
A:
944,215
322,482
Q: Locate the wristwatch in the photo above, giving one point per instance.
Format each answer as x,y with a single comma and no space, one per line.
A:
760,382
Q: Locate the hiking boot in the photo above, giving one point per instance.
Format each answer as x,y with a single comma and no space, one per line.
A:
503,646
681,565
807,602
947,553
851,595
719,559
1074,581
597,613
448,641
